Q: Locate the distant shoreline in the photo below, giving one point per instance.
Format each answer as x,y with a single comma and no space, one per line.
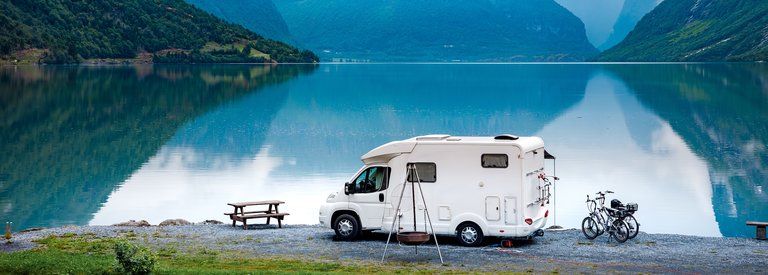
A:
138,61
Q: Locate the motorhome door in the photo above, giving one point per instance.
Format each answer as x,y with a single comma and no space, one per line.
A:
370,186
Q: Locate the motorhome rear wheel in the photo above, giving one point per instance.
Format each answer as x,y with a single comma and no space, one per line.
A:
469,234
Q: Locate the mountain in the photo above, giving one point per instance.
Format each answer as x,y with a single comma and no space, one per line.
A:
631,13
597,21
62,31
697,30
422,30
259,16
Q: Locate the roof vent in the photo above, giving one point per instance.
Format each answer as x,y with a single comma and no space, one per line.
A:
433,137
506,137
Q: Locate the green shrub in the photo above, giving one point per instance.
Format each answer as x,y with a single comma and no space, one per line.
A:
134,259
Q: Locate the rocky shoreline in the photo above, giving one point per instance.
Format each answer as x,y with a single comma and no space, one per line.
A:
557,251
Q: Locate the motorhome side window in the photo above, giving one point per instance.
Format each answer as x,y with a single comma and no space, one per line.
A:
494,160
426,171
373,179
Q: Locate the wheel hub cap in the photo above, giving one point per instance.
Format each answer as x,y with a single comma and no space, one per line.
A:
345,227
469,234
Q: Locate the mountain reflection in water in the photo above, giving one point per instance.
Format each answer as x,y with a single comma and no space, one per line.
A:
71,135
684,141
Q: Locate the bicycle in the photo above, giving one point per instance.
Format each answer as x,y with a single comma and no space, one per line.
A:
627,212
601,220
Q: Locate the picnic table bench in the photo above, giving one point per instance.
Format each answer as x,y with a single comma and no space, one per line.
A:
242,216
760,228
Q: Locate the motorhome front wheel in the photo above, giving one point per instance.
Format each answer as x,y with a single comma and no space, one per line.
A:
347,227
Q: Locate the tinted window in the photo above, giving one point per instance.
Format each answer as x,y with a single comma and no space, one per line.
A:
426,171
494,161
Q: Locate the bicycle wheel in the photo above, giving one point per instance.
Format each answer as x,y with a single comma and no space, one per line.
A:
634,227
589,228
620,231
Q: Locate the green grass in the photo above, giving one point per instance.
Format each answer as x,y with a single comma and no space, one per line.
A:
89,254
52,261
239,46
690,30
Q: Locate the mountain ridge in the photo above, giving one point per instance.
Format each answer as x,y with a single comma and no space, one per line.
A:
697,30
259,16
420,30
631,13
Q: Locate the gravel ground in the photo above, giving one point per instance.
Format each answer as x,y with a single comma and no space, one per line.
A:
566,251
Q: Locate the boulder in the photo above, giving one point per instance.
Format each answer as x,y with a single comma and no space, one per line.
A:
32,229
133,223
172,222
211,222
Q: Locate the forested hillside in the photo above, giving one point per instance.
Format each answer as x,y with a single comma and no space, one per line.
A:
423,30
697,30
259,16
62,31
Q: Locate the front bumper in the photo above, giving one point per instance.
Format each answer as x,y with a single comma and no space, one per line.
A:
324,216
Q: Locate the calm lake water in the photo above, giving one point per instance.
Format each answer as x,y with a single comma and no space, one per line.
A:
100,145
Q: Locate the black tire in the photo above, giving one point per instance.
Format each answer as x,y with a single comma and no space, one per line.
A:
347,227
590,228
634,227
469,234
620,231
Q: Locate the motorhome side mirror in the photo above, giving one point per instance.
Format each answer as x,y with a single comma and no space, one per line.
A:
349,188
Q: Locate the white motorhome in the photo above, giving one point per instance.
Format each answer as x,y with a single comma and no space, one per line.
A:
472,187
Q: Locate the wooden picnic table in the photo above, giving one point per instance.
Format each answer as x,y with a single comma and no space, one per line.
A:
760,229
242,216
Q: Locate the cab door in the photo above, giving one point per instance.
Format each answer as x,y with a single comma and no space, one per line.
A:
369,188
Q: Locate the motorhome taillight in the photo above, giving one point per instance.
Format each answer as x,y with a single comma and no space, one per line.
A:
546,213
529,221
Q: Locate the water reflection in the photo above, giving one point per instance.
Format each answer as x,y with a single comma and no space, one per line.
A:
614,127
332,117
685,141
70,134
721,112
610,142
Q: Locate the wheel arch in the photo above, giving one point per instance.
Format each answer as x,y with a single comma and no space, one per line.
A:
469,218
